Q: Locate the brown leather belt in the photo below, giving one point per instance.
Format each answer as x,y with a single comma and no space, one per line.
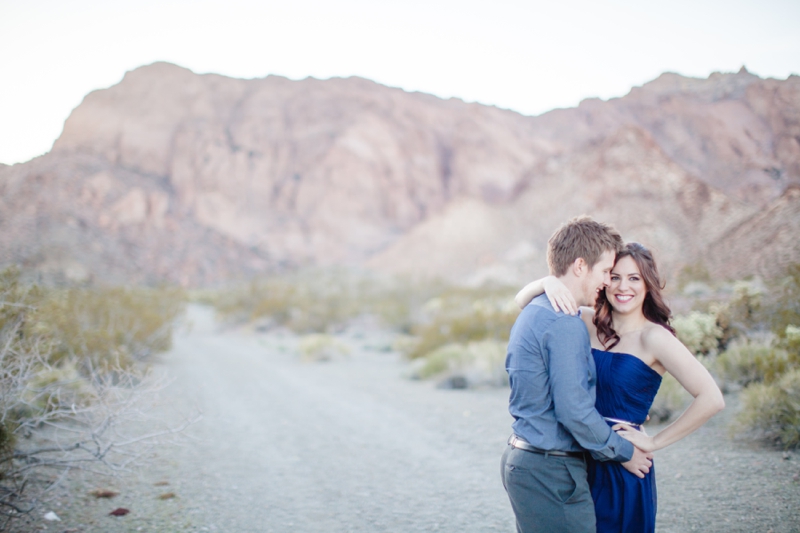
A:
517,442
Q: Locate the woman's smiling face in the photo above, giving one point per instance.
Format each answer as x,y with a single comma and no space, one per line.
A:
628,289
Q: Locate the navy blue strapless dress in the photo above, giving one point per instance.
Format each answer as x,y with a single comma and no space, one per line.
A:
626,387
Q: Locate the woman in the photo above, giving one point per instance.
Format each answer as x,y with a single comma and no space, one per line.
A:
633,346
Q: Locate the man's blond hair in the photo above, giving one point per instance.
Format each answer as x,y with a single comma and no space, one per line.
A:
580,237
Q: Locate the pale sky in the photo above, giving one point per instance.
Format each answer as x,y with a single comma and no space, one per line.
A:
530,56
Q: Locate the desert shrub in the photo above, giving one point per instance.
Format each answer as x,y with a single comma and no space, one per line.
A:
671,399
747,361
323,300
63,386
758,307
782,308
404,343
771,411
108,326
791,340
321,347
326,301
742,313
478,363
440,360
698,331
463,316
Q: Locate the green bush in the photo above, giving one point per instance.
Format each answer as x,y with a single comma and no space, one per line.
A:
762,358
791,340
743,313
782,308
462,316
755,306
320,301
771,411
441,360
745,362
321,347
699,332
108,326
56,339
479,363
68,375
671,399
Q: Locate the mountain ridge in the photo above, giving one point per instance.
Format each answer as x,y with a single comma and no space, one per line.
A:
215,178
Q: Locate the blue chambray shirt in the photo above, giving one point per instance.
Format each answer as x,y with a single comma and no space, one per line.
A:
553,379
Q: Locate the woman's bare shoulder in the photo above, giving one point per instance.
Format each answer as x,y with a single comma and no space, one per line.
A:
656,337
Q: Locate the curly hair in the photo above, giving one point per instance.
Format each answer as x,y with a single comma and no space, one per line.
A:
654,308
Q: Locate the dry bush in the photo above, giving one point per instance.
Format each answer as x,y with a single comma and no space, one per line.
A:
461,336
747,361
321,347
743,313
782,307
755,307
771,411
65,403
477,363
101,326
460,315
323,301
670,401
760,350
699,332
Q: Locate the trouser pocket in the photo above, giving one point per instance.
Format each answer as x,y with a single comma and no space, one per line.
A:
576,469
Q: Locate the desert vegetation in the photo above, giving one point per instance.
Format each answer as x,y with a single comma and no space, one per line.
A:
74,389
322,301
456,335
747,333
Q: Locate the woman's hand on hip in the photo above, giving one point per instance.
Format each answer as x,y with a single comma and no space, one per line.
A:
640,439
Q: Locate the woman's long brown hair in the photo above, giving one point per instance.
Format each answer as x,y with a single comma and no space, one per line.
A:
654,308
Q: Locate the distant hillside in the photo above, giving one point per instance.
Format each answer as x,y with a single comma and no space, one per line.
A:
195,179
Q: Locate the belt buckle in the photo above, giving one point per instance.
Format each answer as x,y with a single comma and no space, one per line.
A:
513,440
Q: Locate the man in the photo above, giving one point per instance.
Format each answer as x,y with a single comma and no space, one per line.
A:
552,376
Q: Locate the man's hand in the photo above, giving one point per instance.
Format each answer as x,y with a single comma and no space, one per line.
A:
640,463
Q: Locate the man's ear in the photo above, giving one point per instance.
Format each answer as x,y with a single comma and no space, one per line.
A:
579,267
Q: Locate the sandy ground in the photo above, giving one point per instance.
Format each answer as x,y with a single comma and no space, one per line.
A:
352,445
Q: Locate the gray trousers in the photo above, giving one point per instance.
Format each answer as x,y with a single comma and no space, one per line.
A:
548,494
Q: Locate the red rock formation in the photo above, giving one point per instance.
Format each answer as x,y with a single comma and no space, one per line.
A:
196,179
764,244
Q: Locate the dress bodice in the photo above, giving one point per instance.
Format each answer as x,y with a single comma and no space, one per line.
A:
626,386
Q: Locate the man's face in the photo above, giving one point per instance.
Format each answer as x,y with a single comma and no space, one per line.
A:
598,278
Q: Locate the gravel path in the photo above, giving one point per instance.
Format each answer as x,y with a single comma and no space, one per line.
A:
351,445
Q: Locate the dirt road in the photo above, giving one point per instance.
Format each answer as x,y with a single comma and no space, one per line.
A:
351,445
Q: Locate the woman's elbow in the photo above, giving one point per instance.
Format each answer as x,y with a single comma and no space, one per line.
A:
717,403
711,401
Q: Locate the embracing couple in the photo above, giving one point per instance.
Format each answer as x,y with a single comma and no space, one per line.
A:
581,387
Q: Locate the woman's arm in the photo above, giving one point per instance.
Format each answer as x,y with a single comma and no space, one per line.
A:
558,294
693,376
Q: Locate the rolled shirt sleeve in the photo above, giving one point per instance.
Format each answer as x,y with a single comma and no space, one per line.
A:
568,355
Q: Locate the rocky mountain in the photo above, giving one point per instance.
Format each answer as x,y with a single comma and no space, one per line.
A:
197,179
